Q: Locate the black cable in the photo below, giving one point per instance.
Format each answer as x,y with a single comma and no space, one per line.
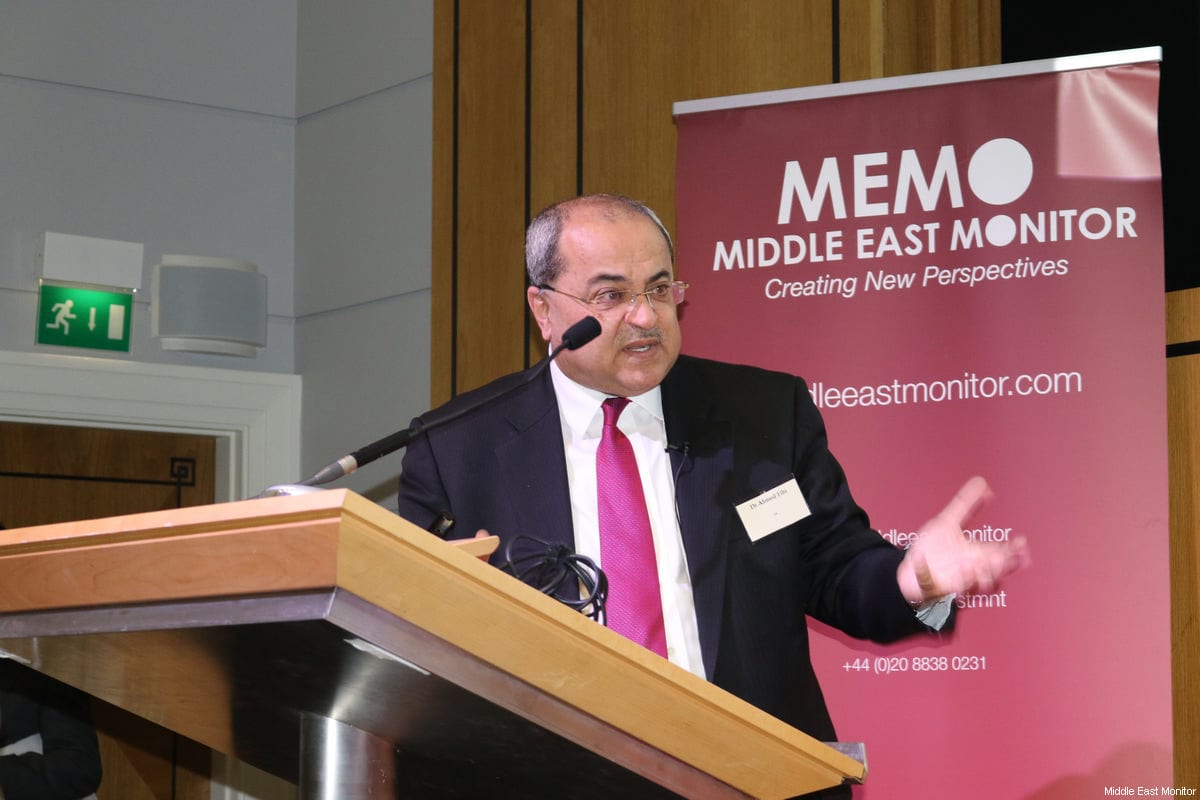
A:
559,572
686,450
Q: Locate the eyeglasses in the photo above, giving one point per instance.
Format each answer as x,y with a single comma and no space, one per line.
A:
670,293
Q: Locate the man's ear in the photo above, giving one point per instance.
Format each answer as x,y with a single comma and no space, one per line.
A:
540,308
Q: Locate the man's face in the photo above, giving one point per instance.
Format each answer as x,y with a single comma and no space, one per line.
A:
638,344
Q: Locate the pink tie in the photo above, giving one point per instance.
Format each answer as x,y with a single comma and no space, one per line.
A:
634,608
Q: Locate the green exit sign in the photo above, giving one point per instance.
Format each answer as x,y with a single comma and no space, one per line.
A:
72,316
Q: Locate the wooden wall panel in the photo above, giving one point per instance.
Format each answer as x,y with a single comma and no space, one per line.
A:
57,473
861,39
554,119
554,102
930,35
641,57
881,39
1183,425
491,191
1184,401
480,260
1183,316
445,184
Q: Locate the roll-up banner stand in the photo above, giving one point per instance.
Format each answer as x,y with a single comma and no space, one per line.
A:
967,269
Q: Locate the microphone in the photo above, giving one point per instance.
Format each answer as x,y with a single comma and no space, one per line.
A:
573,338
684,449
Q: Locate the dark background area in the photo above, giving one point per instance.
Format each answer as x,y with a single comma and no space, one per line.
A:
1049,29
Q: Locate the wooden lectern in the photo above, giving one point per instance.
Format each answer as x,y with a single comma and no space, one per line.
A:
326,640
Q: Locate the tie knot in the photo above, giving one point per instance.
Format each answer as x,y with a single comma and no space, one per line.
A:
613,406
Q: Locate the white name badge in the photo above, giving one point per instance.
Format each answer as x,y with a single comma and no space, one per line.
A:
773,509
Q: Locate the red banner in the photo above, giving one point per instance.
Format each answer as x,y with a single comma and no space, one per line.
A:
968,273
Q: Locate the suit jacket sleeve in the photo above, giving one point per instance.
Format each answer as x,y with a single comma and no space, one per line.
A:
750,431
855,586
500,467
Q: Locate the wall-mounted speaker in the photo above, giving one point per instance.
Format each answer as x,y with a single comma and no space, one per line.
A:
209,305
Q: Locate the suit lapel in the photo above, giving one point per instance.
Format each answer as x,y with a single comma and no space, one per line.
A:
701,445
534,466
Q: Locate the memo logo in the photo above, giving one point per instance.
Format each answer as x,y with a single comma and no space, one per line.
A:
999,172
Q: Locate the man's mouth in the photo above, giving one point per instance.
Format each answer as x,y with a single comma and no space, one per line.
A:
644,343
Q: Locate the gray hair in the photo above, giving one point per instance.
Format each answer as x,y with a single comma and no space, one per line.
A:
543,262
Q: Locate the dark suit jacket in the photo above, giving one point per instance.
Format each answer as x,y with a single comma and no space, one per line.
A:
734,432
69,765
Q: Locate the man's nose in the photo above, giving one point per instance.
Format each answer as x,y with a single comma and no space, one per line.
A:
641,308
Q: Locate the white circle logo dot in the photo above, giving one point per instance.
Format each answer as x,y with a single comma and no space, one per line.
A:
1000,171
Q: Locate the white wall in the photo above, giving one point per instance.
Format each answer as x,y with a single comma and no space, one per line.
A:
296,134
164,122
364,152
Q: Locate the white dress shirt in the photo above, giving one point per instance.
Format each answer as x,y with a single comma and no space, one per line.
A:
642,422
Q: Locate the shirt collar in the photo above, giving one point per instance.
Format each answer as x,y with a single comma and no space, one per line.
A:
579,405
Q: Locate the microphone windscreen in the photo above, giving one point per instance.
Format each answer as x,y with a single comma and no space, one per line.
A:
581,333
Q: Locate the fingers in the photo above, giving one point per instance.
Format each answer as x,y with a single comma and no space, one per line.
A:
984,575
1016,556
967,500
943,560
924,576
986,565
483,534
934,569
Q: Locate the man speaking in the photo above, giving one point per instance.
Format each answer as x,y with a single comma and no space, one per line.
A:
704,490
